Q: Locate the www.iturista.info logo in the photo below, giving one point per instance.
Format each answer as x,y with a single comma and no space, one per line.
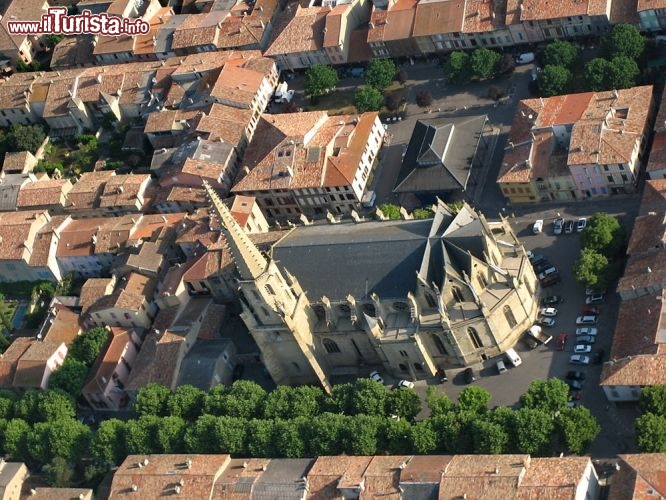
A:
57,22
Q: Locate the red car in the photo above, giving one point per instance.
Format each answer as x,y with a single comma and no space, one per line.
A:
561,341
590,311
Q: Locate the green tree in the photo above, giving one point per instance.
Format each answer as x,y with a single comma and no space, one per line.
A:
651,433
605,234
532,430
67,438
70,377
424,438
322,434
368,99
153,399
591,269
319,80
458,67
244,399
448,429
597,74
368,398
624,72
396,437
230,435
577,428
423,213
259,438
561,53
652,399
625,40
405,403
108,445
187,402
489,437
380,73
200,437
554,80
25,138
45,406
16,439
474,399
550,395
390,210
286,440
59,473
484,63
359,436
7,401
169,435
438,402
139,435
87,346
290,402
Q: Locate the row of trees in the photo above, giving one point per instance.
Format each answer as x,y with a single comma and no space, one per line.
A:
363,418
602,245
618,69
651,425
482,64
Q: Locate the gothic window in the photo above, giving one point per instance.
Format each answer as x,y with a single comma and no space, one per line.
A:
457,294
344,308
474,337
439,344
331,346
400,306
510,318
403,368
269,289
482,281
369,309
418,367
430,300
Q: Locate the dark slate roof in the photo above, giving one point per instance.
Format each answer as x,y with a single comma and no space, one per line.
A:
420,491
198,366
336,260
282,479
439,155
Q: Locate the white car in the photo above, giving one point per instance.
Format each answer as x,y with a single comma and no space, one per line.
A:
558,225
548,311
596,298
583,349
579,359
538,226
580,225
377,377
586,320
406,384
586,330
525,58
546,321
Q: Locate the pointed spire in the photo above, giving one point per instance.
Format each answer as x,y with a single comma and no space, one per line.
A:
249,261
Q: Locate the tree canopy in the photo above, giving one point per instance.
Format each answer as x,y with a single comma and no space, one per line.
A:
605,234
319,80
625,40
380,73
590,269
390,210
24,138
554,80
458,67
70,377
368,98
87,346
484,63
597,74
561,53
549,395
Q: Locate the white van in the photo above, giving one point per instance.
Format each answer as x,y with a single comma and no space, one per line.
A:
513,357
368,200
538,226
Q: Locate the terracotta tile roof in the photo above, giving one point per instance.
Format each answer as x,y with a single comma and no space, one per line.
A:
201,228
124,190
115,233
439,16
106,363
93,289
299,31
9,359
151,227
77,238
130,294
168,120
180,194
395,24
241,208
72,51
654,196
624,11
639,327
15,162
149,258
237,85
534,10
637,475
237,32
239,477
639,370
648,234
333,25
425,469
145,44
359,50
650,5
90,87
198,29
224,122
483,476
113,44
32,365
636,275
482,16
382,477
329,473
43,193
657,159
195,476
157,361
88,189
64,327
210,263
215,316
21,10
553,478
41,246
42,493
15,230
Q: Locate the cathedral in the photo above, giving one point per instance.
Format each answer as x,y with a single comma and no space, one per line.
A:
407,297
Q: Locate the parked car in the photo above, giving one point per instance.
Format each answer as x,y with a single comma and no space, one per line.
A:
525,58
469,375
574,385
579,359
599,357
582,348
542,266
592,291
569,227
558,225
552,300
501,367
538,226
580,225
586,339
406,384
590,311
551,280
546,321
535,258
530,342
587,320
575,375
561,342
586,330
547,272
377,377
548,311
596,298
